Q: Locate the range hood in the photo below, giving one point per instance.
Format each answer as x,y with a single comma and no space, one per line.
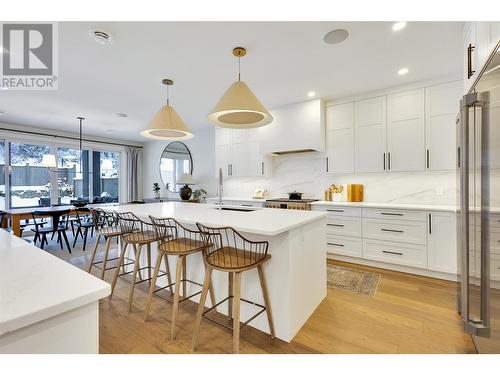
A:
296,128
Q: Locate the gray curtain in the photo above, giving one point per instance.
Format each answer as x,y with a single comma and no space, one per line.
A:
133,166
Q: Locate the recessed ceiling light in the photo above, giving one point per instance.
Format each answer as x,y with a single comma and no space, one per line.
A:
399,25
101,37
121,114
335,36
311,94
403,71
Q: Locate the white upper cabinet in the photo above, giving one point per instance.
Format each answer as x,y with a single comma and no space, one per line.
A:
237,152
340,139
295,128
405,131
441,109
370,134
480,39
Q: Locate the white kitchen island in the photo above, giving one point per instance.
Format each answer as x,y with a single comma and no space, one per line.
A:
46,304
296,273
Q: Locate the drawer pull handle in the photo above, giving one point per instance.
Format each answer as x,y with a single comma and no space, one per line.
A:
340,211
336,225
391,252
391,230
335,244
391,214
247,205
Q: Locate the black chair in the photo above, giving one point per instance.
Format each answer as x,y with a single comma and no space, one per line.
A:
59,225
83,223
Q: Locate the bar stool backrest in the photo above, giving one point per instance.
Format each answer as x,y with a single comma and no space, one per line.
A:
131,223
180,237
226,246
103,219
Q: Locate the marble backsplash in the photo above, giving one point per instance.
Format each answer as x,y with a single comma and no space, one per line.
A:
306,173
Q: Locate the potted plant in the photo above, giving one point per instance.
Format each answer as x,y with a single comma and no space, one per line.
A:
199,195
156,190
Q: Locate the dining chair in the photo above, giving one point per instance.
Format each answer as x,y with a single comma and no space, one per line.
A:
83,223
59,225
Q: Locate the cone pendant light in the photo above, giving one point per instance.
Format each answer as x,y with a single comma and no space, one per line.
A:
167,124
239,108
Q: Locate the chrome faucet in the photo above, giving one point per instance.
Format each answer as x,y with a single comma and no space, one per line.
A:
220,188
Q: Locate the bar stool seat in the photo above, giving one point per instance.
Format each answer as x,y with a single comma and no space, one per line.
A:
140,237
235,259
181,242
228,251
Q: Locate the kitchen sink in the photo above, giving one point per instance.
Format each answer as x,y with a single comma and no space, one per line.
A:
241,209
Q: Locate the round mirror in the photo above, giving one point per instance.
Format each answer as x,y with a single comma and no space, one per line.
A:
175,161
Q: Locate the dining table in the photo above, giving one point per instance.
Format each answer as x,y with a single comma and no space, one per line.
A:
16,215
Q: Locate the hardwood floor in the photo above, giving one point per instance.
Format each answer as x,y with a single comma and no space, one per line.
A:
408,314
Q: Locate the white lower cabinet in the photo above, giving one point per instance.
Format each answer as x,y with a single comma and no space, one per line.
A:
392,252
442,242
423,242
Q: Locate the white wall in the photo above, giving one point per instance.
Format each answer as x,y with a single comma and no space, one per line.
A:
202,148
306,173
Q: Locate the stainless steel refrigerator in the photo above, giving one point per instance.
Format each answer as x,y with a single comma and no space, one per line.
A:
478,134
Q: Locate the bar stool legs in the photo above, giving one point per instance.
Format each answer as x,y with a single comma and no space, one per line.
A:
265,294
234,305
236,313
201,306
134,275
117,271
180,270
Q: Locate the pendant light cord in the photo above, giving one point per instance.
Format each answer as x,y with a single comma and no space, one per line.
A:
168,99
239,68
81,141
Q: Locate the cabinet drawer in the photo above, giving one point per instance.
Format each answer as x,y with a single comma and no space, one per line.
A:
495,221
495,268
398,253
349,246
495,241
335,211
392,230
379,213
347,226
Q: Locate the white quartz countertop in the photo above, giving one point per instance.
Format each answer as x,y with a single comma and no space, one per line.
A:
406,206
35,285
216,199
263,221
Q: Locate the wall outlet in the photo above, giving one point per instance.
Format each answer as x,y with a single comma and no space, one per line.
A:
439,191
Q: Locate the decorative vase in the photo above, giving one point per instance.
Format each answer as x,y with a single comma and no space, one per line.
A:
185,192
336,197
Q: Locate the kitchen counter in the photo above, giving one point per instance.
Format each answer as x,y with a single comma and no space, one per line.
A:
216,199
46,304
296,272
261,221
405,206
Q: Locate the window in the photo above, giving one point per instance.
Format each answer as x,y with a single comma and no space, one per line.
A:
29,179
73,180
2,175
105,176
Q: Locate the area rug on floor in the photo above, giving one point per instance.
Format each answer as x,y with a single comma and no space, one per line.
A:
353,280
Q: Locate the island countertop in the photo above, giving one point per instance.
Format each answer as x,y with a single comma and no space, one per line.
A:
263,221
35,285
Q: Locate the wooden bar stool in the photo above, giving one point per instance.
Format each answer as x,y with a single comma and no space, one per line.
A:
228,251
139,234
107,226
181,242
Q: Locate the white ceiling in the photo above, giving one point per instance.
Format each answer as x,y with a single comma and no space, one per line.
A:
285,60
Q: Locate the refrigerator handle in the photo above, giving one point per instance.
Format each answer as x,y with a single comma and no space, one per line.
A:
475,327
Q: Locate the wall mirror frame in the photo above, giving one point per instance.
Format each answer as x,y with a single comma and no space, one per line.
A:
175,160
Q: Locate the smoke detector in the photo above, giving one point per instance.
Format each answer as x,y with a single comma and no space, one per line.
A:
335,36
101,37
